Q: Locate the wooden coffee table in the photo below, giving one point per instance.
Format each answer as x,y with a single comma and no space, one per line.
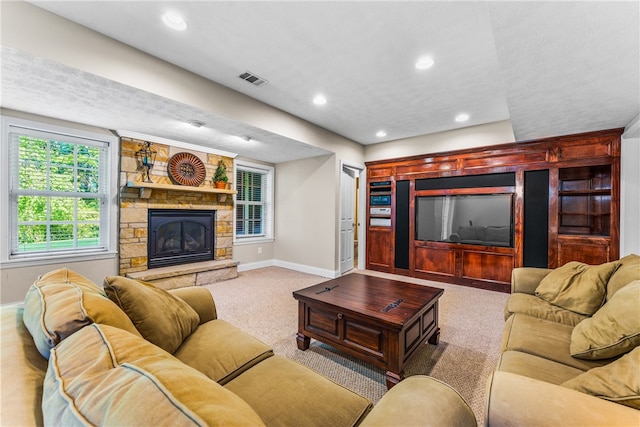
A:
377,320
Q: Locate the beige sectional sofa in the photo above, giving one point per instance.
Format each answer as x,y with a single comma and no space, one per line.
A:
570,349
128,353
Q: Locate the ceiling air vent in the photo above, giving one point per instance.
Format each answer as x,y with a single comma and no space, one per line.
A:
253,79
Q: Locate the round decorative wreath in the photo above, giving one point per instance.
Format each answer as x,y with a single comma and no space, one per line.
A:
186,169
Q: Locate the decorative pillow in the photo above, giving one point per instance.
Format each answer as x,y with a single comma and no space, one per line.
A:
627,272
62,302
577,286
613,330
619,381
160,317
106,376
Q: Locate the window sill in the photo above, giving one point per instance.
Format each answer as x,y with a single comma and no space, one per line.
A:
252,240
27,261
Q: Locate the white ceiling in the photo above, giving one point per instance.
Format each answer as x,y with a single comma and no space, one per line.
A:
552,68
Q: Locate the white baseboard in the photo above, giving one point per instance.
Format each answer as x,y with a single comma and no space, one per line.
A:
291,266
254,265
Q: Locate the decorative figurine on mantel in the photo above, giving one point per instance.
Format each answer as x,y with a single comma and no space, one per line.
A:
220,177
146,158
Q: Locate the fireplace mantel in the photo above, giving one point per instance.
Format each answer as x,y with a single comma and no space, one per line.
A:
146,188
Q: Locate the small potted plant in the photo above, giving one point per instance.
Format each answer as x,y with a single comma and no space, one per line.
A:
220,176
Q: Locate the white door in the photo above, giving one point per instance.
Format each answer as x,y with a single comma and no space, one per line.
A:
347,219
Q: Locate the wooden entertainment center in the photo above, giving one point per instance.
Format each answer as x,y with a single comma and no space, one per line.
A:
565,194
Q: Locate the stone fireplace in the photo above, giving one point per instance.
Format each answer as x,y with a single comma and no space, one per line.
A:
204,253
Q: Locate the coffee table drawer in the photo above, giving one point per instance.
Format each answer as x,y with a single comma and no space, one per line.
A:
345,330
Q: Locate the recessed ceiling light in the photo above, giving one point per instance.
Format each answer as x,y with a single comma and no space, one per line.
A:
320,100
174,21
195,123
424,63
463,117
381,134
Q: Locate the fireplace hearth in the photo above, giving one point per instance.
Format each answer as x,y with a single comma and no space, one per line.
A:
180,236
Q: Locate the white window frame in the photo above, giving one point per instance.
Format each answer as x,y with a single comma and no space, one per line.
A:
268,192
8,218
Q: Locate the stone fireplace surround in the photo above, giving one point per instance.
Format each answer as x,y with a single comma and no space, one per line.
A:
135,203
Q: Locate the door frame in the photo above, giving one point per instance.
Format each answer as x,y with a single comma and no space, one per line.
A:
361,173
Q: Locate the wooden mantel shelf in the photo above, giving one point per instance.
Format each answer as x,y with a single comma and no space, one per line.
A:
146,188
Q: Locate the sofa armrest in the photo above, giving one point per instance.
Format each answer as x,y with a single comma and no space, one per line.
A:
515,400
420,401
200,299
525,280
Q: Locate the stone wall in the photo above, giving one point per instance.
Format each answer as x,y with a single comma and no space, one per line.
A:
134,209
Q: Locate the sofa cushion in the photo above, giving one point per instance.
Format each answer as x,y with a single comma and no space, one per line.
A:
62,302
23,369
161,318
531,305
221,351
619,381
405,402
577,286
285,393
106,376
627,272
537,367
543,338
613,330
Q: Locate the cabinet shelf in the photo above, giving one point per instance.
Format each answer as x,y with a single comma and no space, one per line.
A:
598,192
585,213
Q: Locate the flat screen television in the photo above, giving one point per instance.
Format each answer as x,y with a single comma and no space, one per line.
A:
478,219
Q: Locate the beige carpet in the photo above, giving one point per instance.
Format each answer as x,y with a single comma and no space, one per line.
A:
261,303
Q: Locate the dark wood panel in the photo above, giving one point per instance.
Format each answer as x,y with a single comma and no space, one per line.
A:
487,266
436,261
510,159
584,249
588,148
379,172
379,249
361,335
413,169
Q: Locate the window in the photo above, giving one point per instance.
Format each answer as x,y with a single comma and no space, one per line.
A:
254,202
58,193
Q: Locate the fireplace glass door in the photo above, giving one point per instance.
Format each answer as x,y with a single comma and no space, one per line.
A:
180,237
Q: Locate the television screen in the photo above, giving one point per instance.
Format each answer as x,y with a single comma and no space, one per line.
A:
479,219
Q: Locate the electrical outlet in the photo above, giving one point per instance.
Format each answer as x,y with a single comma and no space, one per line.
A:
259,250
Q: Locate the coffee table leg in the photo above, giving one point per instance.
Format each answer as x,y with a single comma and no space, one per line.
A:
393,378
435,338
303,342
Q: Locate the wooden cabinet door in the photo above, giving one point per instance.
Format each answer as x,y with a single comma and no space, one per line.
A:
379,249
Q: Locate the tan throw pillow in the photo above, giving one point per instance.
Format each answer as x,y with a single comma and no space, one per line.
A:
613,330
577,286
62,302
105,376
628,271
619,381
160,317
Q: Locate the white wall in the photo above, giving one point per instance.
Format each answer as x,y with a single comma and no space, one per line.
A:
469,137
630,189
306,215
14,282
